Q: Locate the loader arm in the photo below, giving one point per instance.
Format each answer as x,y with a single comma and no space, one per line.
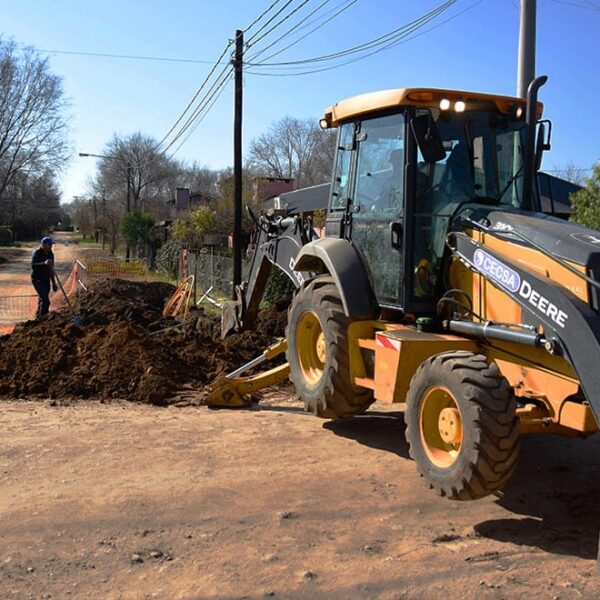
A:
278,240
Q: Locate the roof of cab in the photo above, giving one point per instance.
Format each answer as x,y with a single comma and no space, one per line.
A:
426,97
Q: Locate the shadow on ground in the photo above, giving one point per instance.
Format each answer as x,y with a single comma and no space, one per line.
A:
381,430
554,493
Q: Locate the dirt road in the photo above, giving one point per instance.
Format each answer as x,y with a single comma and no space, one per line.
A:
132,501
15,274
15,277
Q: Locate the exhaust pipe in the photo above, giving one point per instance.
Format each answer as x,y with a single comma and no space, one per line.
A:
531,120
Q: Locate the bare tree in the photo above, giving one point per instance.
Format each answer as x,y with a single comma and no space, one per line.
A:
199,179
294,148
33,130
31,205
571,172
153,176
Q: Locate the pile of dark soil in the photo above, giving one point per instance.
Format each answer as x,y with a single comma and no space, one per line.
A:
120,351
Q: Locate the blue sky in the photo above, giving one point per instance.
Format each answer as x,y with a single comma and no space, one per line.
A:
475,50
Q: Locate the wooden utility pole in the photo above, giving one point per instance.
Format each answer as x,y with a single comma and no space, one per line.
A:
237,160
127,249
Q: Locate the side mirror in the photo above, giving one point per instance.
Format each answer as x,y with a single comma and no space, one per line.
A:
542,142
428,138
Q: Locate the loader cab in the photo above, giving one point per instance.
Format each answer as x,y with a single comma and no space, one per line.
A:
402,176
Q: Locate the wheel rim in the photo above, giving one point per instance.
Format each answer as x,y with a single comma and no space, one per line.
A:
441,427
310,347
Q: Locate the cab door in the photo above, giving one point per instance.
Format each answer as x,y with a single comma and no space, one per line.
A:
377,215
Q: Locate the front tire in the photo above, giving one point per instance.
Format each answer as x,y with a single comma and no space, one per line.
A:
461,425
317,334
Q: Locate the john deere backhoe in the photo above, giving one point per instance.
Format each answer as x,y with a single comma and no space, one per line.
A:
439,284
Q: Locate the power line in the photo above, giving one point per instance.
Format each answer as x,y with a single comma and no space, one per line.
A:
384,43
193,129
402,40
378,41
283,19
265,12
344,6
270,20
291,29
221,79
197,93
590,5
126,56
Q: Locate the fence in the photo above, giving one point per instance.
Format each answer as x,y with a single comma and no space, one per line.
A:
210,270
100,268
17,308
14,309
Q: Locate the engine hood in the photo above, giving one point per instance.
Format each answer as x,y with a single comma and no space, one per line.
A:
566,240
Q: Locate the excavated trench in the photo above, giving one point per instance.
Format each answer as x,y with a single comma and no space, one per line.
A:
120,352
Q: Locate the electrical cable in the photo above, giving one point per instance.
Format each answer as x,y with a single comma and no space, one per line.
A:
249,44
265,12
216,86
344,6
221,80
197,93
199,120
574,4
290,30
383,39
126,56
270,20
405,37
395,42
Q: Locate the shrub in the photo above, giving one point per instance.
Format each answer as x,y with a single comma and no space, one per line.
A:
5,236
279,287
167,259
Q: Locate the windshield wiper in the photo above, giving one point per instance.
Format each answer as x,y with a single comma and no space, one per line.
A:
510,182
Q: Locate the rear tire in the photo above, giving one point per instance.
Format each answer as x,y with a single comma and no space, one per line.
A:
461,425
317,335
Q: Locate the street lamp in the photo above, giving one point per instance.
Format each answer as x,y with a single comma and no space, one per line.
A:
109,157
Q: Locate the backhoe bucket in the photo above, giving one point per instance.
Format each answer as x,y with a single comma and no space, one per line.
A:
229,318
233,391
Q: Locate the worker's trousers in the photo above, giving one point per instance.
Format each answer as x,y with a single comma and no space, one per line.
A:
43,291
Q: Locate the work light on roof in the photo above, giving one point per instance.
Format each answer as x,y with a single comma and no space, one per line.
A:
444,104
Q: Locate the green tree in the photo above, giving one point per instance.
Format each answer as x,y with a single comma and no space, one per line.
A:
586,202
194,225
137,228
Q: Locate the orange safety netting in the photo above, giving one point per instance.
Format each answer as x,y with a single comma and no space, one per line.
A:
17,308
70,285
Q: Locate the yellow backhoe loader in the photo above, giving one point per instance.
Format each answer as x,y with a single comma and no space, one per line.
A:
439,284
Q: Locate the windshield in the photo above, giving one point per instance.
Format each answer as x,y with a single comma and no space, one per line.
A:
484,161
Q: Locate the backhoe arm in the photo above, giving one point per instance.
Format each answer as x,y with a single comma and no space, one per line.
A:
278,241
